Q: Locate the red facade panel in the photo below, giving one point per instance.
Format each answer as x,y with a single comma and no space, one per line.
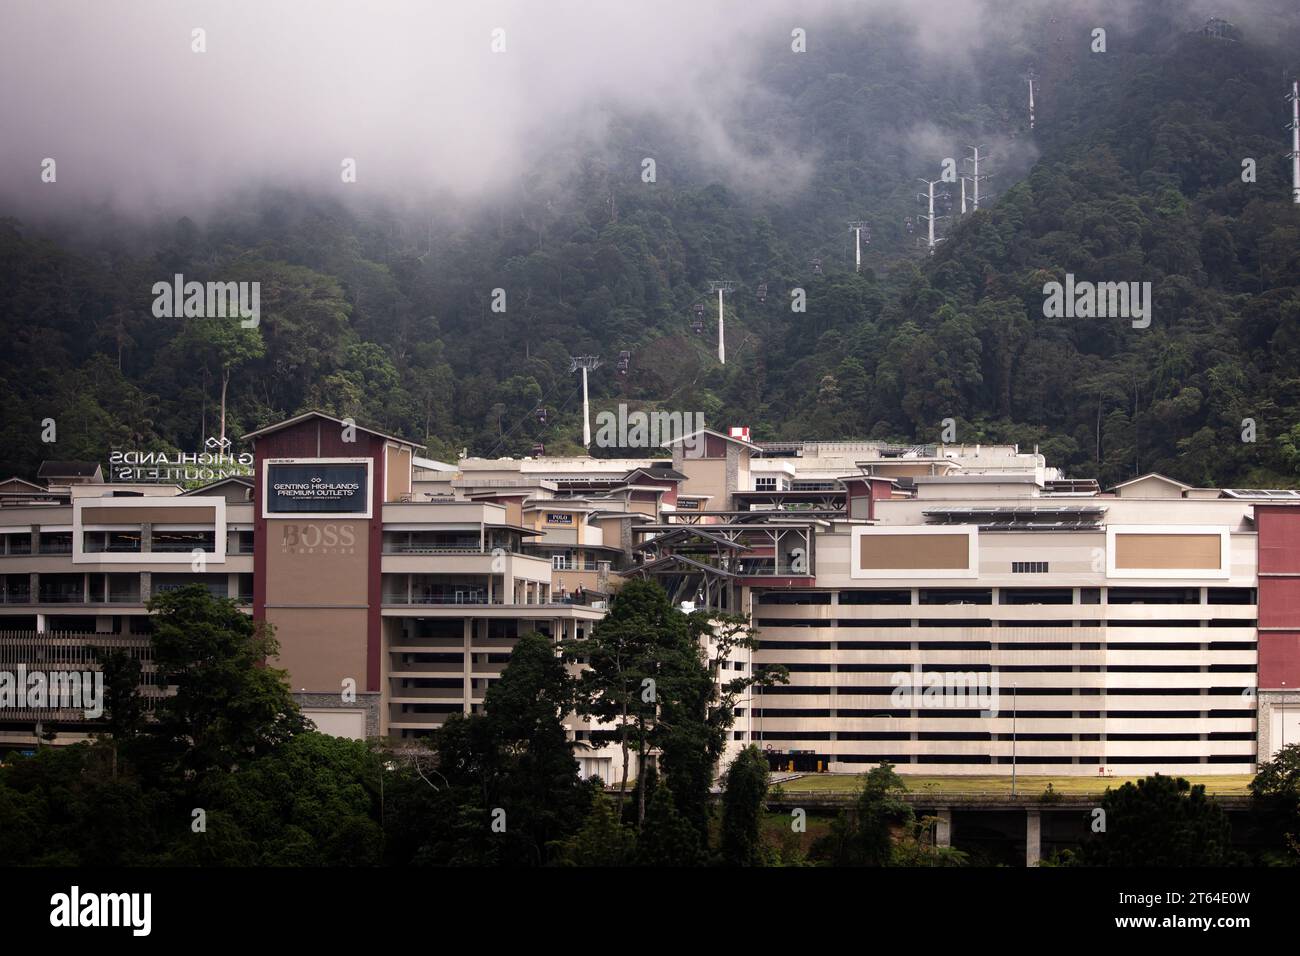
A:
1278,546
1279,660
1279,539
1279,602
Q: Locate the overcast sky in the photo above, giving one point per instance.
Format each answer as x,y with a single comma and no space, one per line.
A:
412,90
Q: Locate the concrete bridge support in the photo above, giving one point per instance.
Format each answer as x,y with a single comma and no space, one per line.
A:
943,828
1033,837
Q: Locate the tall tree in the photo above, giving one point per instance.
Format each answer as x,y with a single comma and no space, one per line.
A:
228,705
742,809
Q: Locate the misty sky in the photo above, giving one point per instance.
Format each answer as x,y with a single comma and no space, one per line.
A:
411,90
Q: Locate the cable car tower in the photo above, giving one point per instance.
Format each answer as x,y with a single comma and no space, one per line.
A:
975,178
928,198
721,286
859,226
1030,77
587,363
1294,126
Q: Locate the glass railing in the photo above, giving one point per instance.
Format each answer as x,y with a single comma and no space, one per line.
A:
434,549
182,547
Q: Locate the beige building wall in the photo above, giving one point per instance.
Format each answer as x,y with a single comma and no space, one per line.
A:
705,476
321,646
316,596
397,472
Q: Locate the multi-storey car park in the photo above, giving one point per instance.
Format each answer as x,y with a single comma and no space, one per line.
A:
1150,627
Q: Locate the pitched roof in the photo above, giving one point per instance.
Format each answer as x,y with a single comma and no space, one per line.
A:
662,474
208,488
1151,474
709,431
68,469
22,481
298,419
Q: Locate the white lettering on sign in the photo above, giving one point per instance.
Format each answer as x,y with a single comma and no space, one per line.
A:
316,489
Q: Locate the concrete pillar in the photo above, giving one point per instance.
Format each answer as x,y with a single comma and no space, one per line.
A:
943,829
467,682
1033,837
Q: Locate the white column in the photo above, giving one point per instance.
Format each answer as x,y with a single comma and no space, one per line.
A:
586,412
722,347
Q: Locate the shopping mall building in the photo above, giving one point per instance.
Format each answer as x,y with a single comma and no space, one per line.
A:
953,609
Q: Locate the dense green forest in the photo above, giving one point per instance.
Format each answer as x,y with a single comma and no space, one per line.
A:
1133,173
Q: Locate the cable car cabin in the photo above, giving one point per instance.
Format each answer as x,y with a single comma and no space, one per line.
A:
624,360
539,450
541,416
907,224
697,323
762,292
817,267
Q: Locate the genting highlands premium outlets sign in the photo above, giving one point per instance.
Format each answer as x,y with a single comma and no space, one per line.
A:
320,486
211,465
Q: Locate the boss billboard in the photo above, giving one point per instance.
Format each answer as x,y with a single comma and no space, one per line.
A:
318,487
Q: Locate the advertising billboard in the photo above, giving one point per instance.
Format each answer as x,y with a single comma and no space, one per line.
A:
317,487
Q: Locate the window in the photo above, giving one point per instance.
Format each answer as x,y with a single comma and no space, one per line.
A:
175,542
16,543
1028,567
765,483
95,542
562,561
56,542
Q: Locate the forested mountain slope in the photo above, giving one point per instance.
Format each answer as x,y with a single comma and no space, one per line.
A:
1132,174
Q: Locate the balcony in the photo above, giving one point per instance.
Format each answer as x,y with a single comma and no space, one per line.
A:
441,589
458,597
62,597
